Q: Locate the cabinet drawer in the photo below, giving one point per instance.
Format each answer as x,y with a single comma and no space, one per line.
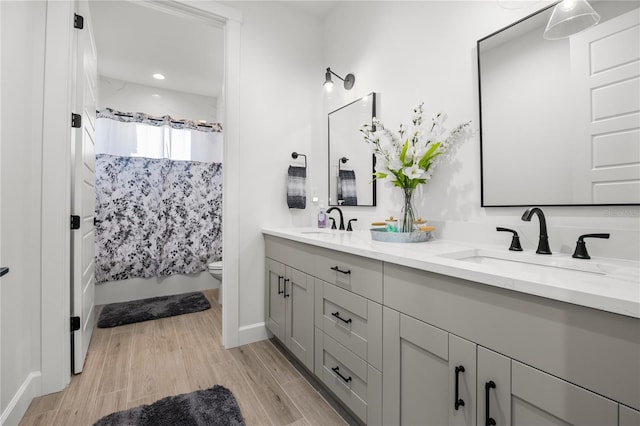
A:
352,320
357,384
358,274
291,253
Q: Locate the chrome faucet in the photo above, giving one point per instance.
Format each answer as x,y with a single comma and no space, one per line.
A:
341,217
543,241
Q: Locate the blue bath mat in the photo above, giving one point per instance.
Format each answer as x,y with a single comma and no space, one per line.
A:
116,314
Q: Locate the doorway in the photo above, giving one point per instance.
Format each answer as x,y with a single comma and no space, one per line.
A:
55,371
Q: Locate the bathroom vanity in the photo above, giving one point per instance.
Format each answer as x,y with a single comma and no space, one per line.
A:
438,333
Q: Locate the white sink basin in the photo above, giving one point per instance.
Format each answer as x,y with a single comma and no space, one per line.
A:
518,262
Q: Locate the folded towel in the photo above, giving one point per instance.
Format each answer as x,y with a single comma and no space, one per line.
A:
296,182
347,188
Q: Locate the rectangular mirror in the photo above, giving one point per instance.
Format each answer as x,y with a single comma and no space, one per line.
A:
560,119
351,162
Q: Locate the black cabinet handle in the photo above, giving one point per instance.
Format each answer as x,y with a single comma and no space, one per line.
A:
286,280
337,315
489,421
336,370
458,402
280,277
4,271
337,269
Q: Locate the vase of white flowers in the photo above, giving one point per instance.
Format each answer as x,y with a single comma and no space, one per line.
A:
407,158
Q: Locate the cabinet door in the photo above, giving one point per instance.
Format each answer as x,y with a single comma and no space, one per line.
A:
493,388
419,373
628,416
275,302
298,295
539,398
516,394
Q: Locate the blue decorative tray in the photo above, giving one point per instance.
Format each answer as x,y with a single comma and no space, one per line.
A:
381,234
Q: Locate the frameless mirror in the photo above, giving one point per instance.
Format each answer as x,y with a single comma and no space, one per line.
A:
560,119
351,162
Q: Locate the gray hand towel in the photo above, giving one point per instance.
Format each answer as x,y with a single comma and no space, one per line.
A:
296,182
347,188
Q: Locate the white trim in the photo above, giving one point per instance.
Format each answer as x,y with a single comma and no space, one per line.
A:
230,189
56,193
252,333
18,405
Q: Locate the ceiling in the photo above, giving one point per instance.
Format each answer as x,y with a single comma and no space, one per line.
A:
318,9
135,41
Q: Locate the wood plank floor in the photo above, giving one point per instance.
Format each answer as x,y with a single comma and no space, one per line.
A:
140,363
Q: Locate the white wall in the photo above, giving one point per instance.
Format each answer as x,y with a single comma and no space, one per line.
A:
425,51
22,51
131,97
280,97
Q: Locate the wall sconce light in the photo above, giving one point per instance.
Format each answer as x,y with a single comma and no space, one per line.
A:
349,80
570,17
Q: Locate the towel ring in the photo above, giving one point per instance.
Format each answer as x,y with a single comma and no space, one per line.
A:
295,155
342,160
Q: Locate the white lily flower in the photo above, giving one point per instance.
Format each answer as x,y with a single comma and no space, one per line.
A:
394,164
413,172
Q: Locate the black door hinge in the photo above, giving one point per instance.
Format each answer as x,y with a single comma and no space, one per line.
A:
78,21
75,323
75,221
76,120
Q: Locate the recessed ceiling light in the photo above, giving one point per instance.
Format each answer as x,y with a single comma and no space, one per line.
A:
158,76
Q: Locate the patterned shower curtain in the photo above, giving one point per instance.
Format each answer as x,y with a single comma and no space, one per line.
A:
156,216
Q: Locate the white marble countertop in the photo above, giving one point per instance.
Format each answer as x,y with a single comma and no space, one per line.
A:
611,285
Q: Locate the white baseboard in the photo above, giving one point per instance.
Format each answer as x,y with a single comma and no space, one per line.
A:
20,402
252,333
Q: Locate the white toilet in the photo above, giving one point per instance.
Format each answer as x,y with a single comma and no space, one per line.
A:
215,269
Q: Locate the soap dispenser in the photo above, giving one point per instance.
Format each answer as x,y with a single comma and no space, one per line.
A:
322,217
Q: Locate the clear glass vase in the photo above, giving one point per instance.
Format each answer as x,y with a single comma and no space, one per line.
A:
407,220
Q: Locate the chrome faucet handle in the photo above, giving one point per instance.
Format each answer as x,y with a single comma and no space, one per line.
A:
349,228
581,247
515,240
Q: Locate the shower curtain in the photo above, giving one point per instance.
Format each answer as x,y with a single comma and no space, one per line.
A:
158,196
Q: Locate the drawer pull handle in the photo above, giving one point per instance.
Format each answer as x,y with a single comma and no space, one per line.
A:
337,269
286,280
280,277
336,370
458,402
337,315
489,421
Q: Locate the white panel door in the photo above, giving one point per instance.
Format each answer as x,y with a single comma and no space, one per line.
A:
605,62
83,190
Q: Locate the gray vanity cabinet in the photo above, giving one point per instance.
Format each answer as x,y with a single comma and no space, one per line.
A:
290,309
424,366
530,360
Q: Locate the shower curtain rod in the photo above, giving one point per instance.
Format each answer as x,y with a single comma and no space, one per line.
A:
121,114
